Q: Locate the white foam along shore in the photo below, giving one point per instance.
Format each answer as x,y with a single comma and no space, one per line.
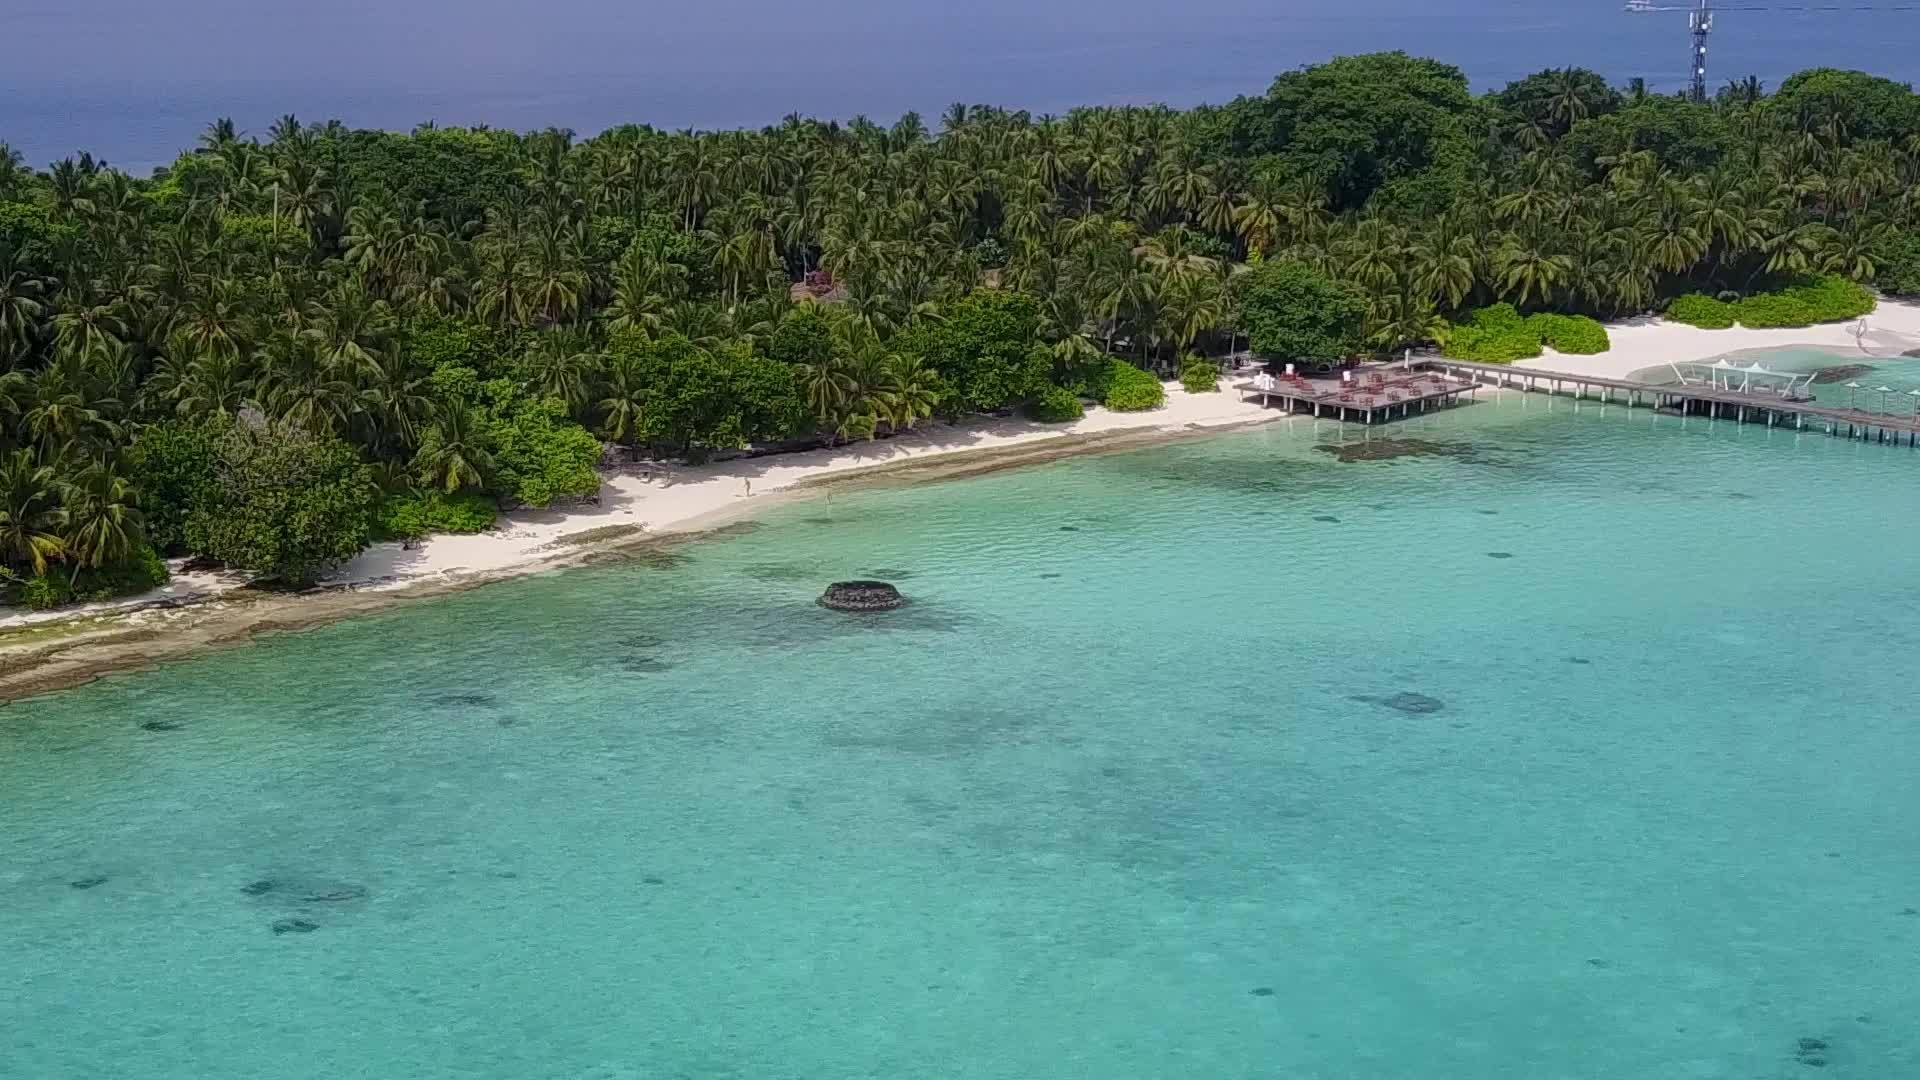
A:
678,498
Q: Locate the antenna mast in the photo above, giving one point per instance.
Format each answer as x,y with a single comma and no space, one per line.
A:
1700,21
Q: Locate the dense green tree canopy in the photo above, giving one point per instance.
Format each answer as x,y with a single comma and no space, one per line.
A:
283,501
1294,312
473,312
983,350
1546,105
1357,122
1848,105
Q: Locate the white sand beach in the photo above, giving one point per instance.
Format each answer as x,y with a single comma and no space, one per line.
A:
1638,344
670,498
666,499
663,499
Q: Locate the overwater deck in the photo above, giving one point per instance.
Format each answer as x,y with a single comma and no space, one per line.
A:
1369,394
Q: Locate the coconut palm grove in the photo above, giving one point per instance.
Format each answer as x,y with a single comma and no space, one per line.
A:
289,344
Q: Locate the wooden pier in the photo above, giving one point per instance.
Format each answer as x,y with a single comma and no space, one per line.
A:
1373,393
1748,407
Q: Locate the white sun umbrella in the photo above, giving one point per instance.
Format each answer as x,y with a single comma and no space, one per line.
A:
1915,395
1852,389
1883,391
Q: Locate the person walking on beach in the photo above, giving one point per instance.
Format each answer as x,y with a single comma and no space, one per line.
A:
747,488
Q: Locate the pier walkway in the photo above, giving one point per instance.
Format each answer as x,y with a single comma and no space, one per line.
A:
1753,407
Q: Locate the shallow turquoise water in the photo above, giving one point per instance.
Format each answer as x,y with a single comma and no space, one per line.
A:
1102,803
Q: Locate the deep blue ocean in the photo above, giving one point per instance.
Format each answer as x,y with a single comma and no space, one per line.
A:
135,82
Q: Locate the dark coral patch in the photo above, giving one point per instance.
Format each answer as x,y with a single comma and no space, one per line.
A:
1389,449
1407,702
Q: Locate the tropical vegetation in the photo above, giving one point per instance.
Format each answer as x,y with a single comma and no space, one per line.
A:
285,343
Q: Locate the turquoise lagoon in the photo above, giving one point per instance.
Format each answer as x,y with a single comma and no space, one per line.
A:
1119,795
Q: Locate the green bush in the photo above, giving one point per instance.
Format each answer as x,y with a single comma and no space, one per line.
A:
405,517
1768,311
140,572
1056,405
1898,259
1572,334
1701,310
1491,335
1818,299
1199,375
1098,378
1832,298
44,592
1130,389
1496,317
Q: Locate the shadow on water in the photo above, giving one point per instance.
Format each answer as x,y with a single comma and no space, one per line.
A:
782,573
1393,449
790,623
942,733
783,627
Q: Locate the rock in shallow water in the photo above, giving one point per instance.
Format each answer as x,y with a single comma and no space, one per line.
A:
294,926
161,725
1842,372
87,883
1407,702
465,700
861,596
1811,1052
305,892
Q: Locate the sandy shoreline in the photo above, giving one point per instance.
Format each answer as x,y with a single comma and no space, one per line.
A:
196,613
641,509
1892,329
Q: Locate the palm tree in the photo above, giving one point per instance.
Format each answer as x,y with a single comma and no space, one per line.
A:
1529,269
20,307
30,512
219,135
1444,258
916,390
830,392
623,410
1403,317
103,526
454,454
1853,249
13,171
562,367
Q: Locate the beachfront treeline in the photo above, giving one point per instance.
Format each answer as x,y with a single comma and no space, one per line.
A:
287,343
